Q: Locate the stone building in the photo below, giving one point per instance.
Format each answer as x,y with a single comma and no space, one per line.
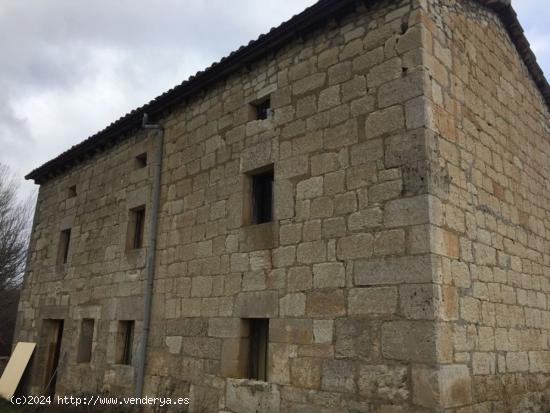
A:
353,217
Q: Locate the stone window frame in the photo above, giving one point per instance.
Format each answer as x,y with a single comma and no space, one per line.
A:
135,233
251,209
257,348
64,245
85,341
71,191
260,108
124,342
140,161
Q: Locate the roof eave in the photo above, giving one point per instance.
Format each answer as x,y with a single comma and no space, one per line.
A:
265,44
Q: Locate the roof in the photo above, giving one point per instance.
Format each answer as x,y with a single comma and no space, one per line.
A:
510,20
311,18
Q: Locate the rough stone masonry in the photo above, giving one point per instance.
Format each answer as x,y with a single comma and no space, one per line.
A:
404,266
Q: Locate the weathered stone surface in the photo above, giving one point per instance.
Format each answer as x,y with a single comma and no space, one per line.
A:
355,246
329,275
326,303
539,361
402,89
174,344
202,347
280,355
357,339
389,242
368,60
382,300
292,331
226,327
310,188
406,211
409,341
329,97
386,191
299,279
306,373
365,219
394,270
258,237
248,396
323,331
384,121
405,265
425,385
187,327
283,206
208,398
292,167
384,382
343,134
417,301
257,304
311,252
339,376
309,83
293,305
389,70
455,385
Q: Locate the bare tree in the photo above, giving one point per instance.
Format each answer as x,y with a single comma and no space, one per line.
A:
15,220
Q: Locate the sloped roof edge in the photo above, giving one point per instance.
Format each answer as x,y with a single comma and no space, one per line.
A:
299,24
507,14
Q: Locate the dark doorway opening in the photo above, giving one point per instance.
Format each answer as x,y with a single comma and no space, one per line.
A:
258,347
262,197
53,335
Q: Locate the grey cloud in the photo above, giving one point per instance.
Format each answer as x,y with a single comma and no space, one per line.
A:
14,131
534,16
71,67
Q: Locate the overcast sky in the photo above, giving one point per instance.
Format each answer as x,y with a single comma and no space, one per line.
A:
69,67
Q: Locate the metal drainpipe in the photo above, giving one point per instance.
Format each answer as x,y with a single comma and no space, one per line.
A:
151,253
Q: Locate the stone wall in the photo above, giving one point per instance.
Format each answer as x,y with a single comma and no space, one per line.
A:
403,270
489,179
100,280
338,273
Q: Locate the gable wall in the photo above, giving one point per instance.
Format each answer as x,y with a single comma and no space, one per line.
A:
346,287
489,174
338,272
405,265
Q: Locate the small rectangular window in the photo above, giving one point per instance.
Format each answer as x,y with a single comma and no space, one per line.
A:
257,349
64,243
136,227
86,340
261,109
124,342
262,197
72,191
141,161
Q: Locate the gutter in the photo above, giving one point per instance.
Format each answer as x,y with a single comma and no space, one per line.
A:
151,253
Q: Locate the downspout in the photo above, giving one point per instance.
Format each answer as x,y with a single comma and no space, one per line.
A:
151,253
